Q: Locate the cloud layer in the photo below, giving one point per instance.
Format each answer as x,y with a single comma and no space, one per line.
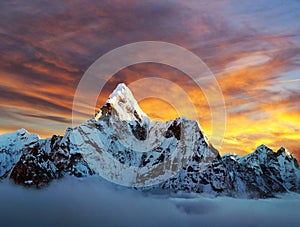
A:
90,202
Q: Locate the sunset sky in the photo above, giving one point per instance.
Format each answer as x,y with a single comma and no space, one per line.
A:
252,47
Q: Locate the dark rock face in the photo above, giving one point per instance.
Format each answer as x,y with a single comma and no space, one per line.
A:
106,109
139,131
201,175
12,146
260,174
263,172
174,130
47,161
35,168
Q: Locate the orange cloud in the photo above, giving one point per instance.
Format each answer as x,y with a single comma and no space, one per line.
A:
46,48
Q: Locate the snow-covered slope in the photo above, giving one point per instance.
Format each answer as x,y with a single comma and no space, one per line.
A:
122,145
12,146
122,106
141,152
46,160
263,172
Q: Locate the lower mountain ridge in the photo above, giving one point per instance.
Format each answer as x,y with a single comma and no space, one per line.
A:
140,154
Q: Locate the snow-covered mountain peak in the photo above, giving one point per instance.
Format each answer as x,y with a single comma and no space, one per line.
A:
125,147
19,138
122,105
121,88
284,152
13,145
263,149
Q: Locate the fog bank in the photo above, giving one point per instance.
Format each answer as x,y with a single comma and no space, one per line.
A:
91,202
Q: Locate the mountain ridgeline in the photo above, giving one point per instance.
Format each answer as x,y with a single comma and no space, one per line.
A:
124,134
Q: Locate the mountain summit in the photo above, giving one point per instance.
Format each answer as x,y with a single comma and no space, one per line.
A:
122,104
122,145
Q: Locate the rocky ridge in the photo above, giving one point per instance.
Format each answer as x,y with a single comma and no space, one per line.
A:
125,134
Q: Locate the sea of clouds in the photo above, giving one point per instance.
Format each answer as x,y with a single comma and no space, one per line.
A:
92,202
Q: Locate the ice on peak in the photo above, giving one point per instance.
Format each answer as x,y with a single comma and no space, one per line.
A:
22,131
19,133
125,106
121,88
122,94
